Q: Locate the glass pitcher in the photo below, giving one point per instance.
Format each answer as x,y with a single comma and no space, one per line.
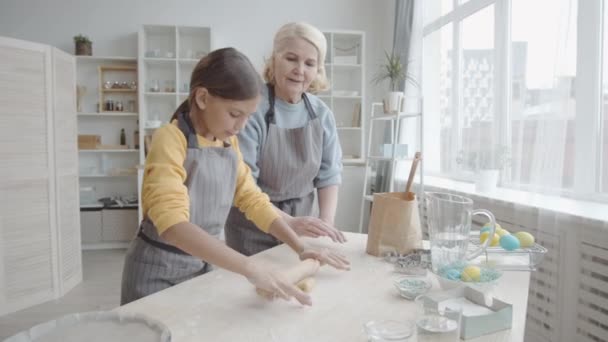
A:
449,222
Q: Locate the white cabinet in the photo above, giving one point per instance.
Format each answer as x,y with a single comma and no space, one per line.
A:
349,198
345,67
118,225
167,56
90,220
39,224
108,228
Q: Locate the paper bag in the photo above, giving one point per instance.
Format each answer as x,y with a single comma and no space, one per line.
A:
394,224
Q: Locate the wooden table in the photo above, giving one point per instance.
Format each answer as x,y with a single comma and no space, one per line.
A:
223,306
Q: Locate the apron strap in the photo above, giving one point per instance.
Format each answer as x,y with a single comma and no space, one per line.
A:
158,244
269,116
311,112
185,125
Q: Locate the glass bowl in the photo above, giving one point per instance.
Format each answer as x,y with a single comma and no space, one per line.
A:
450,276
410,288
388,330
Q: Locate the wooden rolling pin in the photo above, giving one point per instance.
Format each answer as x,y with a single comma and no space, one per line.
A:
300,275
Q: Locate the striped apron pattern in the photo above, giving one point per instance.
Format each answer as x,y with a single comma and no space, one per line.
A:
289,162
151,264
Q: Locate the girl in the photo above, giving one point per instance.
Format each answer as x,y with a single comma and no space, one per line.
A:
194,173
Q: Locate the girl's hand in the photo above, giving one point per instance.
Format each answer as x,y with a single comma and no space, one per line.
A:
326,256
315,227
271,281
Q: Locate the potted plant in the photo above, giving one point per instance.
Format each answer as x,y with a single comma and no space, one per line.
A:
394,72
486,162
83,45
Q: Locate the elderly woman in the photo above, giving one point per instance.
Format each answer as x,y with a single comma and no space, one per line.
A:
291,143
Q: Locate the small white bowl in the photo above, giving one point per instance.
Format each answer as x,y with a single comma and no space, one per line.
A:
389,330
410,288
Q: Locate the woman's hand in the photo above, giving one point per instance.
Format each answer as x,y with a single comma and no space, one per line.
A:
325,256
272,281
315,227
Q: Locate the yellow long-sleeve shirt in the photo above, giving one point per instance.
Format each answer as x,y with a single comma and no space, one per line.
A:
165,198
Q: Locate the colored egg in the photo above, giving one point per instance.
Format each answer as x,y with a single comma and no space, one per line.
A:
525,239
509,242
484,236
470,274
452,274
487,227
502,232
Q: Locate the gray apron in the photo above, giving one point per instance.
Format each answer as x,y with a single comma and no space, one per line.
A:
289,161
151,263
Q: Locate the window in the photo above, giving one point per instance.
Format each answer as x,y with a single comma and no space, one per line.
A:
496,79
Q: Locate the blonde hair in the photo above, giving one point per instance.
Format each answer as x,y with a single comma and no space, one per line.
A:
312,35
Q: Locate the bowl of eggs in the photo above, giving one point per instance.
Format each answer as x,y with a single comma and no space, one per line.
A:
505,239
481,277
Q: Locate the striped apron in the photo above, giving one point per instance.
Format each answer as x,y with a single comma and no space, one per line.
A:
152,264
289,161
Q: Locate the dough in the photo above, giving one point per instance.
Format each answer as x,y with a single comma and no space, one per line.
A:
307,284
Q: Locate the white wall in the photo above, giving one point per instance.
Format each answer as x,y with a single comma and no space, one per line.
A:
248,25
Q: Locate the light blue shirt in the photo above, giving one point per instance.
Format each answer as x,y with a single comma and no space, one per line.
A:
289,115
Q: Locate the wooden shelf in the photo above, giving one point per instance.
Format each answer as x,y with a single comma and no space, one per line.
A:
108,114
109,176
109,151
130,91
97,59
118,68
159,94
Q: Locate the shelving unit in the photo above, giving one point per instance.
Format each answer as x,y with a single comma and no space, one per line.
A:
345,67
167,56
389,152
107,172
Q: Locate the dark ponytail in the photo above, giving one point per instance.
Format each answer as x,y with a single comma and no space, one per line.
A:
226,73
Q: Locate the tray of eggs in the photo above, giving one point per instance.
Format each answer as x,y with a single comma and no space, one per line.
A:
516,251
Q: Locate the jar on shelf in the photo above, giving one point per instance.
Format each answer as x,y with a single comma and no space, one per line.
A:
107,85
169,86
123,137
118,106
154,86
131,106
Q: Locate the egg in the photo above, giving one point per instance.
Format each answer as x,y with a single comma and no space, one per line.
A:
470,274
509,242
525,239
502,232
487,227
453,274
484,236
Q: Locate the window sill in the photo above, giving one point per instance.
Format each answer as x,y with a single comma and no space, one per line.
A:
578,208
